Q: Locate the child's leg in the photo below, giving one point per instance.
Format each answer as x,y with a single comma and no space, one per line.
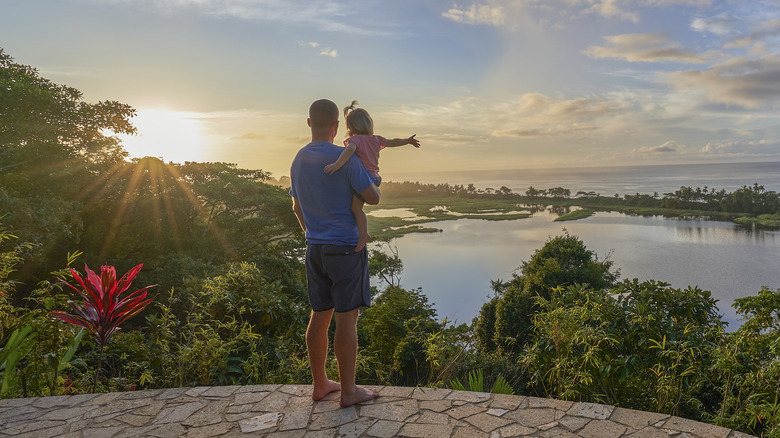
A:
362,222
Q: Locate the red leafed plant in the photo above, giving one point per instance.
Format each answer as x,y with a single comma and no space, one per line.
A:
104,309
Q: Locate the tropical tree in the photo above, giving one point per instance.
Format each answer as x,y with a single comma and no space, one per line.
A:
563,260
51,143
385,264
394,331
559,192
642,345
749,363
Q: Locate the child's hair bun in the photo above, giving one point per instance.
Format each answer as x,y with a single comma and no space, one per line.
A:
351,107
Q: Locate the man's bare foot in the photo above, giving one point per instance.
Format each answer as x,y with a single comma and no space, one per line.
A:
362,241
320,391
361,395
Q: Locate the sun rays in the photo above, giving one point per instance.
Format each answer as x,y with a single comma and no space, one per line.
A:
153,191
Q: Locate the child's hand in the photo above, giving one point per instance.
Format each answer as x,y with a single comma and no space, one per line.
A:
331,168
413,141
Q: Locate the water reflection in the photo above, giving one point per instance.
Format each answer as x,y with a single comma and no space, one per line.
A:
560,210
556,210
403,213
455,267
535,208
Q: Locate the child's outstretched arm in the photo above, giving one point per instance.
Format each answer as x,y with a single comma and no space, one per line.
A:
348,151
395,142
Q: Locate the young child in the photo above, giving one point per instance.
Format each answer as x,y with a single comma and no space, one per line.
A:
361,140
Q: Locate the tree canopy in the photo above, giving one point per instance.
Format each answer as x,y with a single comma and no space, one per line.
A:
505,321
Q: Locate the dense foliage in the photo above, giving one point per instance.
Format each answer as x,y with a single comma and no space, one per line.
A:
580,335
231,308
505,323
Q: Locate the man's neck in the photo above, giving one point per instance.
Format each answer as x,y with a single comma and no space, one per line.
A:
322,135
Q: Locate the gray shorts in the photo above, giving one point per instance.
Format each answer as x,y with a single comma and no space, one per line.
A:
337,278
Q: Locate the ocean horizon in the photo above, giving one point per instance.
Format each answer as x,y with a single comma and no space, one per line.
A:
611,180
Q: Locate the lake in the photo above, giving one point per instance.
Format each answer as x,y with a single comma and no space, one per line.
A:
454,268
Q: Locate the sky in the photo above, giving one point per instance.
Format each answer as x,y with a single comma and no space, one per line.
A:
484,84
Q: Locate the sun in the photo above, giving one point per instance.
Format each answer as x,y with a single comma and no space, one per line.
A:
171,135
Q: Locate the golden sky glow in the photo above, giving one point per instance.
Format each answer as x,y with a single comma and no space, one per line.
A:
484,84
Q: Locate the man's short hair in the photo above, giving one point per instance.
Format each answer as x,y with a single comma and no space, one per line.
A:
323,113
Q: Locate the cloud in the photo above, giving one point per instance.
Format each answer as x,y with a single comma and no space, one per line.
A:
541,116
533,102
250,136
669,146
454,139
528,115
463,102
750,83
333,53
555,13
66,71
476,14
325,51
330,15
655,3
720,25
611,9
587,108
766,31
735,148
643,47
546,131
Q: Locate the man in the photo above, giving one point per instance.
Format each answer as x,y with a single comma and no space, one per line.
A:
337,275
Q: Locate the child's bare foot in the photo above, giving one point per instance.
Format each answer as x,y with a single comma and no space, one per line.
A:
361,395
362,241
320,391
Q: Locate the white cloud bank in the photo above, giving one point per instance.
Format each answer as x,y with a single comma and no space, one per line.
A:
329,15
750,83
506,13
643,47
476,14
670,146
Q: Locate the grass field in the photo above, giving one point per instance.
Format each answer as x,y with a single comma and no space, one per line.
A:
576,214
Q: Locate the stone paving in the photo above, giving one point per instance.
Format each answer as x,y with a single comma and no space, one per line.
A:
288,411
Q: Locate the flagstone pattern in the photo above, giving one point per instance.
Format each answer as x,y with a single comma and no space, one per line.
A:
288,411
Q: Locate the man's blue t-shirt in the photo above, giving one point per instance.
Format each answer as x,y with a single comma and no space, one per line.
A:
326,199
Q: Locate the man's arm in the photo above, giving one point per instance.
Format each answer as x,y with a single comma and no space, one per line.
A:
299,213
371,194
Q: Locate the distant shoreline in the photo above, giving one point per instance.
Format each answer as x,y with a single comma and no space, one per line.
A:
610,180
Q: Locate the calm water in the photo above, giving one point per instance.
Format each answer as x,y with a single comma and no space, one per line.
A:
454,268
